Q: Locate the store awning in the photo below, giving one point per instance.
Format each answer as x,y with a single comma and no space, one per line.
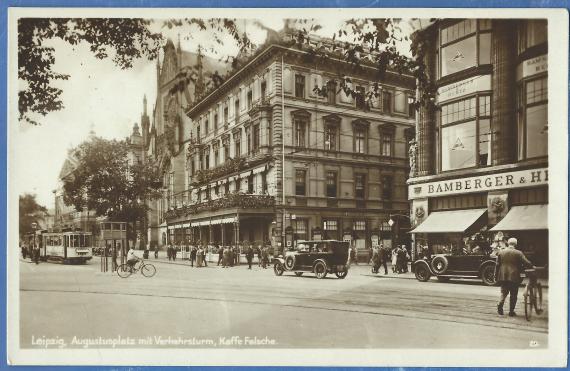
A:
454,221
523,218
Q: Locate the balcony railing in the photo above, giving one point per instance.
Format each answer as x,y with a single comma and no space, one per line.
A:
230,166
230,200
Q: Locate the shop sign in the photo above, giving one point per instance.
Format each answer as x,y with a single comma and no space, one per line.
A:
484,183
464,87
533,66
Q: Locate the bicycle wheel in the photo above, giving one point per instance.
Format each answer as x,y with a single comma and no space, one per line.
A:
148,270
538,302
529,300
124,270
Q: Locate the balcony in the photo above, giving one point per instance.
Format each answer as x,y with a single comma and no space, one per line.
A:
229,201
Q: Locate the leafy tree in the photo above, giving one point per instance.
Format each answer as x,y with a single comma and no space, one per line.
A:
104,181
30,212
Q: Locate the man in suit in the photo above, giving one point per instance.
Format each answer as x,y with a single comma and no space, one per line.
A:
510,265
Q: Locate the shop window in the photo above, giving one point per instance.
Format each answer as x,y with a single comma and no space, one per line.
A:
532,32
331,184
331,137
301,228
533,119
300,130
299,86
463,46
458,146
360,140
330,225
300,182
359,225
359,186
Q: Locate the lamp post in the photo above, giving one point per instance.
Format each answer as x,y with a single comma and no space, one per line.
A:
391,223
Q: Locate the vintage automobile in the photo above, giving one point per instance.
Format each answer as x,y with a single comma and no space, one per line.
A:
319,257
456,265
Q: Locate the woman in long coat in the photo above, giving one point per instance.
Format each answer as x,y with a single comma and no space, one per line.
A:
226,257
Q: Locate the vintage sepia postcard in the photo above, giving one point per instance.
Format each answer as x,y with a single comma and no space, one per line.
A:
280,187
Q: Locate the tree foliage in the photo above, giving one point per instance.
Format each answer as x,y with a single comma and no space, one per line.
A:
30,212
104,181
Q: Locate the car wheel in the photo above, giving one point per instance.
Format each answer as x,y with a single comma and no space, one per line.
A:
298,274
442,279
439,264
320,270
341,274
488,275
278,269
422,273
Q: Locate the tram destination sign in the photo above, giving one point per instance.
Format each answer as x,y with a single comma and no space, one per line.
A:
483,183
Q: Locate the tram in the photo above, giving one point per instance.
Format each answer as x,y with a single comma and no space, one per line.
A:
67,247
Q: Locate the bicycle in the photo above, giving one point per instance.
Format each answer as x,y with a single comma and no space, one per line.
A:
532,294
147,269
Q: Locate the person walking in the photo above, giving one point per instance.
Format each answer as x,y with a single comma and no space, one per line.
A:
192,255
206,251
249,256
394,259
353,256
383,253
36,255
510,264
175,250
236,255
375,259
370,254
156,252
226,257
259,256
264,257
220,254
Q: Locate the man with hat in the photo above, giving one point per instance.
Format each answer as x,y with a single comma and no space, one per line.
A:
508,269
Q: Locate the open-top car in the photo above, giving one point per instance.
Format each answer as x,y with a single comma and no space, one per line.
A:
319,257
458,265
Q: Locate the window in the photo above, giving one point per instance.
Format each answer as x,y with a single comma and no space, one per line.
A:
330,225
206,127
458,111
300,182
236,109
360,97
533,118
216,156
458,146
331,184
386,101
330,137
463,46
237,143
250,184
238,184
360,140
387,187
400,102
263,90
226,114
256,135
411,107
248,140
264,185
201,161
301,228
198,132
215,122
532,32
331,92
359,186
359,225
386,143
226,144
299,86
249,99
300,126
207,159
227,188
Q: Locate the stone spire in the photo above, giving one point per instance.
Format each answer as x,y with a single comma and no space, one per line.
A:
199,87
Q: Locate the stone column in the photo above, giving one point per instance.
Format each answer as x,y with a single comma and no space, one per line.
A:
503,51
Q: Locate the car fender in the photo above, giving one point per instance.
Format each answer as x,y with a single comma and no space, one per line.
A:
425,263
486,263
278,260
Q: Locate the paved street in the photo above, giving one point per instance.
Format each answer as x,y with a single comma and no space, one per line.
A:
203,307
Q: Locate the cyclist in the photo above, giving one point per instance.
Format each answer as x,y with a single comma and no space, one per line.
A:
132,259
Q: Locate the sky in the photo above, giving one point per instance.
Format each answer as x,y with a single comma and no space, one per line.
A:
101,97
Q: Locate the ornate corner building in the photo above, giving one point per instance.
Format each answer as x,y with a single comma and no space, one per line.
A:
263,158
481,158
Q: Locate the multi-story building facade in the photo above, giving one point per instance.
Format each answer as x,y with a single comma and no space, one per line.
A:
481,162
166,132
269,160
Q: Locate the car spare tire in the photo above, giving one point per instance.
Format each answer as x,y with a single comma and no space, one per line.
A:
290,262
439,264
